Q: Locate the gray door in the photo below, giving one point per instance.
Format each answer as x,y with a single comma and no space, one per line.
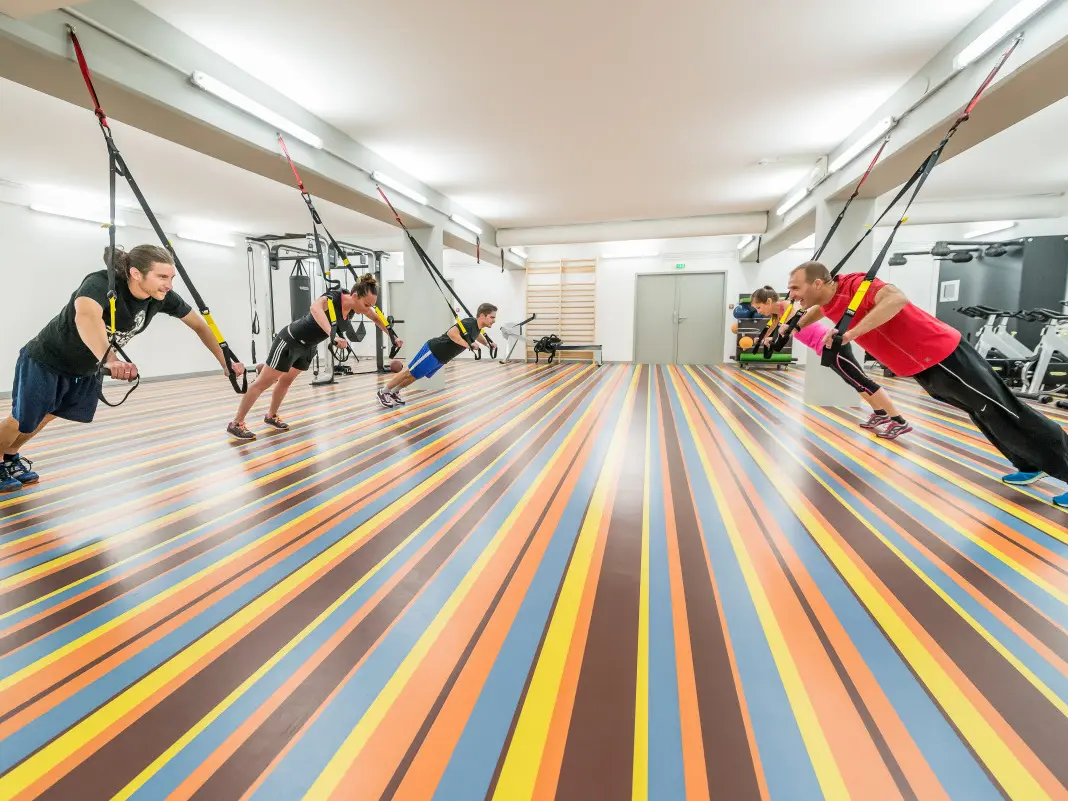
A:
654,329
700,318
679,318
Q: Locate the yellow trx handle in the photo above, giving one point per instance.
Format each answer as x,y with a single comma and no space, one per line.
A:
112,299
330,311
858,298
381,316
214,328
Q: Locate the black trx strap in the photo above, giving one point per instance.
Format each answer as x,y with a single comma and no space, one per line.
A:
317,222
439,281
780,337
252,301
118,167
917,181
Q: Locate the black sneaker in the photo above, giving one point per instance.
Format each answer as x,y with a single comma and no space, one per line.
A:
396,398
240,431
7,482
385,398
19,469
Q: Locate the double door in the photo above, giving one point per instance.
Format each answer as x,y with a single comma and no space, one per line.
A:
679,318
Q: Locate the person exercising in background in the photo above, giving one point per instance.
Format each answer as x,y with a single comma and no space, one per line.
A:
912,343
766,301
294,348
438,352
57,372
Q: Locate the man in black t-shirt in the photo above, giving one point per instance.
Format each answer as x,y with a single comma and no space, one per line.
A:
294,348
57,372
439,351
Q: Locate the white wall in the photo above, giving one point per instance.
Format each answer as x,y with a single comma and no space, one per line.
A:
617,279
46,257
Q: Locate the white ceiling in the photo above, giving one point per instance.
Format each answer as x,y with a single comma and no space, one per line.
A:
46,142
1030,158
567,112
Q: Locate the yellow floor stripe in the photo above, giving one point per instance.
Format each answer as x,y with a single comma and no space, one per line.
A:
819,749
56,752
978,627
640,780
334,772
519,773
246,685
878,471
991,749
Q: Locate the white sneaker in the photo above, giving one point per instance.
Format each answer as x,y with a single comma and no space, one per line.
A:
385,399
396,398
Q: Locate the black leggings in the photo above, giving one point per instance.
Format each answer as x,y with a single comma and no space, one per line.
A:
1028,439
850,371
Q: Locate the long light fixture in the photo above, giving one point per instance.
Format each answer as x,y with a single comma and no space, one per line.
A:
791,201
208,237
520,252
863,143
1009,21
470,226
992,227
745,241
392,183
93,216
250,106
638,254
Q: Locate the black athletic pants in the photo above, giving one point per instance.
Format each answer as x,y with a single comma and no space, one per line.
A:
849,370
1028,439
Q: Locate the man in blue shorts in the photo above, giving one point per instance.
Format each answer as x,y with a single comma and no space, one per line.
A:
438,352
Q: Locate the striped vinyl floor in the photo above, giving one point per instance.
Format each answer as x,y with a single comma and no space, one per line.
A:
571,583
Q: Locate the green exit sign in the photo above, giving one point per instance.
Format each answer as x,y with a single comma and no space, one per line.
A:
680,266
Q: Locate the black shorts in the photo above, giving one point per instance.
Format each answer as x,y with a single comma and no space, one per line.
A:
286,354
39,390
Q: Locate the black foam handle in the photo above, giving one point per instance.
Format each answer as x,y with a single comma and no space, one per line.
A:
830,354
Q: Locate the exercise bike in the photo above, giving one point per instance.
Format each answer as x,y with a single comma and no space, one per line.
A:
1005,354
1047,371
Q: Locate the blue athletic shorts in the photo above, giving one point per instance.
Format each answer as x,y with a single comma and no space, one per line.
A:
39,391
425,363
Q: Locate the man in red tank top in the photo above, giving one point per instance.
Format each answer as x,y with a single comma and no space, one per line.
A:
912,343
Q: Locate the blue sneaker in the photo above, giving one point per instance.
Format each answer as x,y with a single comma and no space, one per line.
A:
1019,479
1061,501
7,483
19,469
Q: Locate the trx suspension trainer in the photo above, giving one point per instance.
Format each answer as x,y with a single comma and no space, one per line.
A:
440,282
916,182
780,338
118,166
317,222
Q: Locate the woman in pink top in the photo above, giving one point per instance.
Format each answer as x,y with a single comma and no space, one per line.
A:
885,419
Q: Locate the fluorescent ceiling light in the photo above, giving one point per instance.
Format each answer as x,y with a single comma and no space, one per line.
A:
745,241
1010,21
250,106
470,226
638,254
791,201
992,227
520,252
808,243
89,215
393,184
208,237
863,143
